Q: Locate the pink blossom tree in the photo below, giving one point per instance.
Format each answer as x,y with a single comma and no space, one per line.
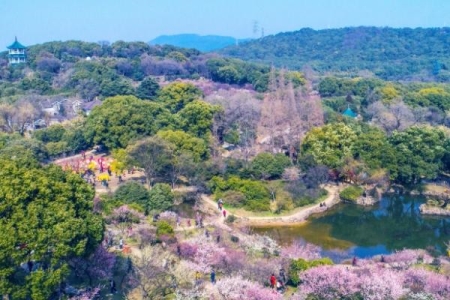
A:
97,267
237,288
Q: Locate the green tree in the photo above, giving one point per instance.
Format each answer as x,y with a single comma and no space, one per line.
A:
268,165
373,148
110,88
228,74
330,144
177,95
53,133
196,118
46,217
154,155
132,192
419,151
123,118
148,89
160,197
185,143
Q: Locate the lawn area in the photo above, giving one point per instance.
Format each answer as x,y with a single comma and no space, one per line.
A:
246,213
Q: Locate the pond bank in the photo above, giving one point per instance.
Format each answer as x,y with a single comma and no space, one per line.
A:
433,210
296,218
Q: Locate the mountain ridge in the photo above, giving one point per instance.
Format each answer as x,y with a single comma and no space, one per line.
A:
204,43
390,53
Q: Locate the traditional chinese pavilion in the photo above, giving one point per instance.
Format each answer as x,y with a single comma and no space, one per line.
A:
17,53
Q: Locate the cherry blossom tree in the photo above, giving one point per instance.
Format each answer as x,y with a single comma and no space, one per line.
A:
237,288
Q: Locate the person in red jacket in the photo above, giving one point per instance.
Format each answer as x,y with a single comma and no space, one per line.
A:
273,281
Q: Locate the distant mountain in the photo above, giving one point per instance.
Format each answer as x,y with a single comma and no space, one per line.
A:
390,53
203,43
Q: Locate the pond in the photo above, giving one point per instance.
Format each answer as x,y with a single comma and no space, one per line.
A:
392,224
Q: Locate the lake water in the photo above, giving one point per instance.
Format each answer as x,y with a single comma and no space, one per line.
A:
350,230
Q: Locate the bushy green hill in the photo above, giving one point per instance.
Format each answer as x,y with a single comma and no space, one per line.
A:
394,54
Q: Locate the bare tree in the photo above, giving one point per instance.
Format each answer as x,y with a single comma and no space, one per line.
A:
288,113
241,112
397,116
16,117
152,274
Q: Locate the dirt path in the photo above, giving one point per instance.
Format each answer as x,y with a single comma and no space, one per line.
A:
297,217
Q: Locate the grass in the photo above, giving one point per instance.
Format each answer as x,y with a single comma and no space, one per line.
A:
247,213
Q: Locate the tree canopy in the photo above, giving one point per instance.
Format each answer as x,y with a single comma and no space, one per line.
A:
123,118
46,217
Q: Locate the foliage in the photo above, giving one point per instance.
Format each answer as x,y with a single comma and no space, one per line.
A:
196,118
153,154
185,143
351,193
330,144
132,192
160,198
299,265
164,228
41,207
123,118
268,165
147,89
419,152
256,193
389,53
177,95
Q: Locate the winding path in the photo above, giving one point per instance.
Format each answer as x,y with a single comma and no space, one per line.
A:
297,217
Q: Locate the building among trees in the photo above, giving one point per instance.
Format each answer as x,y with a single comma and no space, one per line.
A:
349,113
17,53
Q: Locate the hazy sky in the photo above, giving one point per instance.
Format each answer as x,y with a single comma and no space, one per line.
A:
37,21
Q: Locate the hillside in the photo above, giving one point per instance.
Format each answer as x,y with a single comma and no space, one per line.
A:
203,43
393,54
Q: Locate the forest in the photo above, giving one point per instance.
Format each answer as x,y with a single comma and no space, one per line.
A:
419,54
132,171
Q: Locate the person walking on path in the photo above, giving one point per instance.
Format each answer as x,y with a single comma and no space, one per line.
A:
354,261
224,212
213,276
220,204
273,281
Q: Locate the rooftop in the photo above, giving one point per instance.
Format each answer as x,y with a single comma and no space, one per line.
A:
16,45
349,113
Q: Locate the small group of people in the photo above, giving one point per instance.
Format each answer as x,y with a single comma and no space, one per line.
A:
323,204
278,283
198,277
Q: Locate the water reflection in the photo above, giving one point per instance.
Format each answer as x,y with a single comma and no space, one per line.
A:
393,224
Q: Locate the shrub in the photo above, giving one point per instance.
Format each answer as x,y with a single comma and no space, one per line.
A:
351,193
230,219
255,192
297,265
132,192
234,198
164,228
160,198
234,239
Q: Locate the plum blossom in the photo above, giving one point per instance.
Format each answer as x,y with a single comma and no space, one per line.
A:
237,288
301,249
